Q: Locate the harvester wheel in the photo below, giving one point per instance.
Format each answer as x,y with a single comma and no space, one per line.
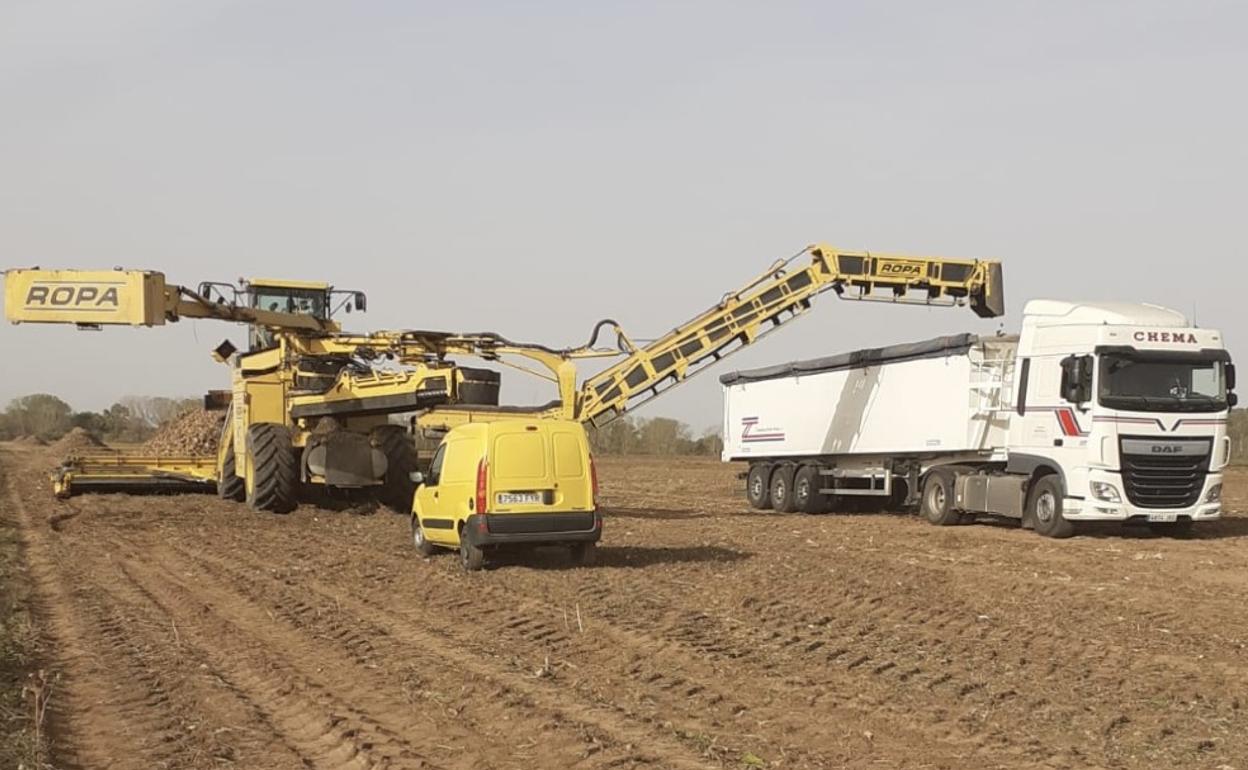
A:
397,490
231,486
274,477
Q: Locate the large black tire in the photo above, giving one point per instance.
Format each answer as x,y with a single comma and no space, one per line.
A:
471,557
806,495
274,483
230,486
937,503
397,490
423,546
782,499
758,486
1044,507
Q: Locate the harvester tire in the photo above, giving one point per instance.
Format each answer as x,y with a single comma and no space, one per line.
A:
397,490
275,469
231,486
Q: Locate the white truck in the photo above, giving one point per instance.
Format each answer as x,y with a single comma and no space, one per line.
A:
1094,412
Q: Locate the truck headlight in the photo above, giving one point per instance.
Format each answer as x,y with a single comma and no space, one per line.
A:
1214,494
1105,492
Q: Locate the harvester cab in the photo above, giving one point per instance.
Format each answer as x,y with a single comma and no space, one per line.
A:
306,298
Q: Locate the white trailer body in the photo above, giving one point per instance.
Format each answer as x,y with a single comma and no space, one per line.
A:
1107,411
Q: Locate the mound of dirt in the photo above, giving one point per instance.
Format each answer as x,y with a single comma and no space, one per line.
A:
196,432
30,441
78,438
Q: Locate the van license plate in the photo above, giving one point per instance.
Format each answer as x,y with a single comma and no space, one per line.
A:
1163,517
519,498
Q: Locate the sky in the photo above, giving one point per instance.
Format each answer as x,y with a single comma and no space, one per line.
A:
530,168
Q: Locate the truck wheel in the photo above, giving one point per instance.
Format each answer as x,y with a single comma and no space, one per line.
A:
584,554
274,481
937,504
397,489
1044,506
758,486
230,486
806,495
423,546
470,556
782,489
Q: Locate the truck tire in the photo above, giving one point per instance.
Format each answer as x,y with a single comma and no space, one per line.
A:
423,546
397,490
758,486
274,469
1044,506
782,489
937,503
230,486
806,495
471,557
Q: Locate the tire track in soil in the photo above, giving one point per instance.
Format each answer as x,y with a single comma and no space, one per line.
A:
678,688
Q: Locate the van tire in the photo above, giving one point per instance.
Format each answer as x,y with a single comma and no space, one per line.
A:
231,486
937,503
758,486
275,469
471,556
423,546
806,495
782,500
1044,506
584,554
397,489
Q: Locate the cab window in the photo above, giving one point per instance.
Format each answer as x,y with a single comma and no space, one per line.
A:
435,468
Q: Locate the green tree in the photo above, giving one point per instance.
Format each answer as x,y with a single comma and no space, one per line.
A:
39,414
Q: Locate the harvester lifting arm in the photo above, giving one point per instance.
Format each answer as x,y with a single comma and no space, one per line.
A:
779,295
94,298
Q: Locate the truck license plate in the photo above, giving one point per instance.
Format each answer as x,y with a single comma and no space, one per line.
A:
1163,516
519,498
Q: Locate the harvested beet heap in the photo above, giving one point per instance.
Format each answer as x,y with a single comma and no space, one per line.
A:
195,432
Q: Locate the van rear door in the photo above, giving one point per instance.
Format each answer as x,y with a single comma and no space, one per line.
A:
539,467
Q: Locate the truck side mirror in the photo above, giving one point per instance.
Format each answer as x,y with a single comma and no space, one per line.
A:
1232,400
1230,377
361,301
1077,379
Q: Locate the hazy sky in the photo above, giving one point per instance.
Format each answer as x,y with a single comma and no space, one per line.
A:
532,167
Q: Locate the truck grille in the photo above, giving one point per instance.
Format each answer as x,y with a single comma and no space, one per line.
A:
1157,478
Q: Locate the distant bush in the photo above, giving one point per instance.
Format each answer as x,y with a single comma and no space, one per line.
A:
133,419
655,436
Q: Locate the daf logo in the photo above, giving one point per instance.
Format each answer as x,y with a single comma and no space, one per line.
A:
73,295
1166,449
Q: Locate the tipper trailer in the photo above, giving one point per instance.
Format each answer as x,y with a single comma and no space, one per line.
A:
1094,412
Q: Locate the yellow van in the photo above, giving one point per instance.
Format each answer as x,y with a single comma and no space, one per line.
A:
513,482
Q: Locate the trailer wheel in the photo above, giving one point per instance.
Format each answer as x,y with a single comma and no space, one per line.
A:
230,486
397,489
937,504
782,499
758,486
806,495
1044,506
273,481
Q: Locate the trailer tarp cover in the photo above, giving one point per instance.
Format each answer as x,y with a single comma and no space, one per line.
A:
858,359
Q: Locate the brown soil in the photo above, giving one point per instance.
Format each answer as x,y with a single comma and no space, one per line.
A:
76,439
196,432
192,633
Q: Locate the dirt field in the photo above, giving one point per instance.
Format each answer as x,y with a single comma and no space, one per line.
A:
189,633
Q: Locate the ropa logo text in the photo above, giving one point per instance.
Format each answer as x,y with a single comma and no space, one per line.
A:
72,295
1186,338
900,268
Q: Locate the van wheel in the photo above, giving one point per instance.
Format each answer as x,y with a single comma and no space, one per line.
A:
758,486
584,554
937,504
472,557
782,499
1044,506
806,495
423,546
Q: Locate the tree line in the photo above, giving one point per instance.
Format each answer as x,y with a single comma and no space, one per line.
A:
654,436
132,419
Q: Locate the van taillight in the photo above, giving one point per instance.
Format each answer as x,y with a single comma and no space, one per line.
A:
593,477
483,470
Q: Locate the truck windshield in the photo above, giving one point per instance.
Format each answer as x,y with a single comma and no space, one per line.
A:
1169,384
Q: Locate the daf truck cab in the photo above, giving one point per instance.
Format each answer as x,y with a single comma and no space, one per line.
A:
1093,412
508,483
